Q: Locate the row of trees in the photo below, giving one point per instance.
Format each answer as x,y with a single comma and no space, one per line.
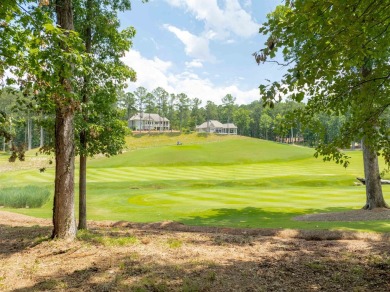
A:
278,123
183,112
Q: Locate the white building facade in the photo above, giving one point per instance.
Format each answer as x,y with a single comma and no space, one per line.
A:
217,127
148,122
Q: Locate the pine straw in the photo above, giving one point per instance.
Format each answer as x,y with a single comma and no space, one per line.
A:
168,256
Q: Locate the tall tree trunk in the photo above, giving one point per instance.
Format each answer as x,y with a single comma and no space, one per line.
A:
374,195
63,210
83,188
41,139
29,133
83,134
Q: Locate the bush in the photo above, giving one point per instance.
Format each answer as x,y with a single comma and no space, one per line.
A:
24,197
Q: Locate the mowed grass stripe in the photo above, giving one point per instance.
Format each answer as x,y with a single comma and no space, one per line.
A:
245,183
209,173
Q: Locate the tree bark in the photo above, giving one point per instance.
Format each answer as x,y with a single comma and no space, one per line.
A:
63,211
41,139
83,134
29,132
83,191
374,194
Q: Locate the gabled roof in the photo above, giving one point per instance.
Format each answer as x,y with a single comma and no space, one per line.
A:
147,117
230,126
216,124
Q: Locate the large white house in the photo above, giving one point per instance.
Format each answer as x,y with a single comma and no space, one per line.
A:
217,127
148,122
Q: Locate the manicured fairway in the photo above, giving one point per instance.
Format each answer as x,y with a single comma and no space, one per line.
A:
227,181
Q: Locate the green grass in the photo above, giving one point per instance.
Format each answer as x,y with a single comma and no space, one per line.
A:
214,181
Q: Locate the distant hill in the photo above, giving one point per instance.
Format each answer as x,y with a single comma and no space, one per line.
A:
162,150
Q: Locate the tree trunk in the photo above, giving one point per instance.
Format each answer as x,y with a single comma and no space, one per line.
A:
83,191
63,211
41,139
29,133
83,134
374,195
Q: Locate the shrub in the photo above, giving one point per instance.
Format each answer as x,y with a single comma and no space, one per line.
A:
24,197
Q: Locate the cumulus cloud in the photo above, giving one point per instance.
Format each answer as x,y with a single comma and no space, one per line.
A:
155,72
194,64
223,21
151,73
195,46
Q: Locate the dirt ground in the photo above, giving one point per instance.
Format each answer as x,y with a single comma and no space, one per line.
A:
169,256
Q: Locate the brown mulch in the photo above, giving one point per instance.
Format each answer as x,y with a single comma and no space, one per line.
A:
169,256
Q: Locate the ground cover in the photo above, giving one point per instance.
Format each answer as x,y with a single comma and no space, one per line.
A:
117,256
224,181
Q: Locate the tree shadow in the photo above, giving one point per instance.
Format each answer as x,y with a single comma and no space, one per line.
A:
288,265
249,216
15,239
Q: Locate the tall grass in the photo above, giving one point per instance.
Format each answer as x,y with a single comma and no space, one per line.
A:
24,197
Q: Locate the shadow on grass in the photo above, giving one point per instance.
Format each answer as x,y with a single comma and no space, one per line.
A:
251,217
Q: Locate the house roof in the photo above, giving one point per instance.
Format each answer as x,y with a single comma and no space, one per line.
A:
216,124
147,117
230,126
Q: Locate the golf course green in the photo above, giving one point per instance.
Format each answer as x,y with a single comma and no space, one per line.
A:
211,180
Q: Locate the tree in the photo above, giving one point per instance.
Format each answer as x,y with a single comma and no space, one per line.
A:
171,108
265,124
128,102
150,107
195,111
99,128
338,58
242,118
228,102
161,96
211,112
140,94
63,210
183,103
50,61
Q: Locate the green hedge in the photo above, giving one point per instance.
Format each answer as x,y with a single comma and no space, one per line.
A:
24,197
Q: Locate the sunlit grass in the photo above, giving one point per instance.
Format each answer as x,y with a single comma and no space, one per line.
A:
214,181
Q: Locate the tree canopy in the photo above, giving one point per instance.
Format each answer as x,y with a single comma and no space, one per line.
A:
337,57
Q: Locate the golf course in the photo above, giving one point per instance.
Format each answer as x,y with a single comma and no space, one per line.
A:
208,180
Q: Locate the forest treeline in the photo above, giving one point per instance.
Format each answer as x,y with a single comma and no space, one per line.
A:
32,129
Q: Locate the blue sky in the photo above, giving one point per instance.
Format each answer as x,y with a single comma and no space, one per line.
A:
200,47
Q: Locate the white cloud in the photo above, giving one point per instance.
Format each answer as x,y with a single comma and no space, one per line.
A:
195,46
194,64
155,72
247,3
231,18
151,73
